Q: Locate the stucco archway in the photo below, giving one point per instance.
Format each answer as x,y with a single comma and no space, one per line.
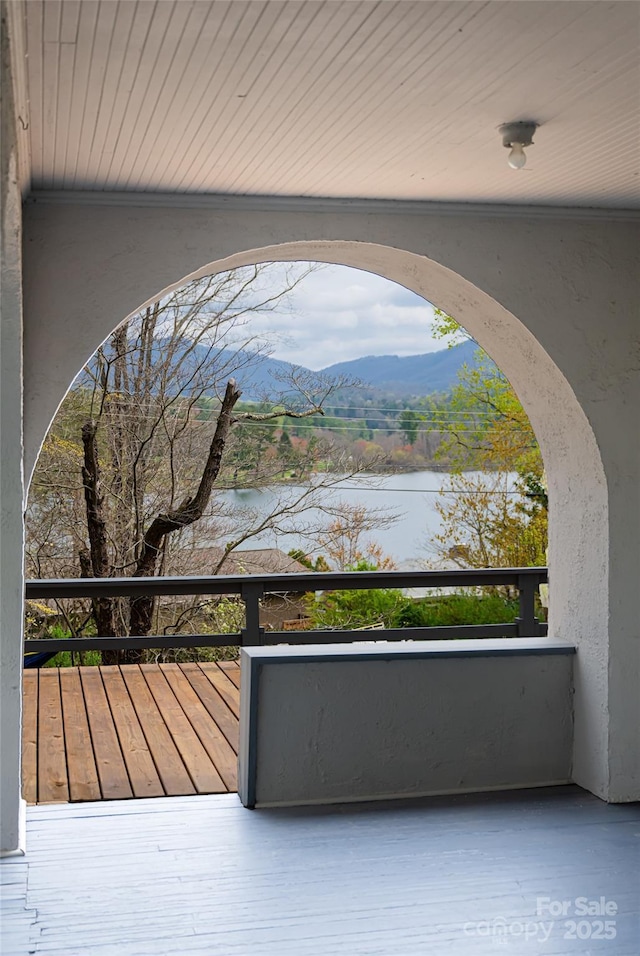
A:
577,483
570,278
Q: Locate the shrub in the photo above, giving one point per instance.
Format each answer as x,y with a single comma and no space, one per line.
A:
463,607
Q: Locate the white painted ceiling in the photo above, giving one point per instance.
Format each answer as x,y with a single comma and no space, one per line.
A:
396,100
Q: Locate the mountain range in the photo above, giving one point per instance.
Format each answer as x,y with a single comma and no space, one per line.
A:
409,374
401,376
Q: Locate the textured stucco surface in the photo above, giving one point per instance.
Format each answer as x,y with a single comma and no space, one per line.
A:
352,729
553,299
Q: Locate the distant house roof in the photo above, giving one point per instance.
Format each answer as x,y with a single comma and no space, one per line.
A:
257,561
204,561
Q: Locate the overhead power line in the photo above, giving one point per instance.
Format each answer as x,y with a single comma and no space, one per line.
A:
430,491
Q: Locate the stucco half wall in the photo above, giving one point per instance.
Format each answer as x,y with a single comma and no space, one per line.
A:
552,298
336,723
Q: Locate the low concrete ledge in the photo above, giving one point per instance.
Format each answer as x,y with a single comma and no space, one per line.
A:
335,723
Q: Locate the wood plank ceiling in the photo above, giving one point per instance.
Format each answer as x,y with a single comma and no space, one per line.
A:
339,99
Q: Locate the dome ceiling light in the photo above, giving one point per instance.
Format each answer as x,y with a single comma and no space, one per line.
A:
516,136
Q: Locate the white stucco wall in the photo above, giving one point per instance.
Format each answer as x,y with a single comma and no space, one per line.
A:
552,297
11,490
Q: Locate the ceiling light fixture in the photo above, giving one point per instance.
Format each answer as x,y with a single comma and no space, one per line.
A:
515,136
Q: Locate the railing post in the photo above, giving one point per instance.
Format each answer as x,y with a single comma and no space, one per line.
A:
252,633
528,623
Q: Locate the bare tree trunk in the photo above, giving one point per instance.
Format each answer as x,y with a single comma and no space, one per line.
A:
187,513
122,442
95,561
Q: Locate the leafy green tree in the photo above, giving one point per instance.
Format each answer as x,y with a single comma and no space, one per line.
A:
319,564
484,523
485,425
445,327
409,421
489,518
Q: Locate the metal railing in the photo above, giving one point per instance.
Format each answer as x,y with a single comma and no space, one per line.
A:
252,588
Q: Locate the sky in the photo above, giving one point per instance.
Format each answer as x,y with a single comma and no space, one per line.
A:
337,313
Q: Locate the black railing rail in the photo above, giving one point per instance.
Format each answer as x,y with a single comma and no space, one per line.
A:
251,588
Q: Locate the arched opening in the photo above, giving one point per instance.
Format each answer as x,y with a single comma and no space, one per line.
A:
102,630
568,446
577,484
129,384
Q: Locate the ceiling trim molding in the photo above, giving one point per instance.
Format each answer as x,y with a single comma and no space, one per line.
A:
275,204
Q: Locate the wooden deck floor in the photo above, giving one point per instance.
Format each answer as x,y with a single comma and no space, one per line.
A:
112,733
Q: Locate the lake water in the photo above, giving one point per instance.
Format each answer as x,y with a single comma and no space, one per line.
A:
411,494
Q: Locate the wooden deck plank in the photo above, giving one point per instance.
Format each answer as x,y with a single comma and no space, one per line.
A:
216,706
53,784
30,736
224,685
204,775
232,670
112,771
141,768
222,754
171,769
81,764
114,732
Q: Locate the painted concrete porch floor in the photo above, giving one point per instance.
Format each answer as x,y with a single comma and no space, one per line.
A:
436,876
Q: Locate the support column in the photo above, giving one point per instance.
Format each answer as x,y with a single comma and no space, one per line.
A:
12,808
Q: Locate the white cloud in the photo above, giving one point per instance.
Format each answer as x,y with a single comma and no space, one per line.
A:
337,313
